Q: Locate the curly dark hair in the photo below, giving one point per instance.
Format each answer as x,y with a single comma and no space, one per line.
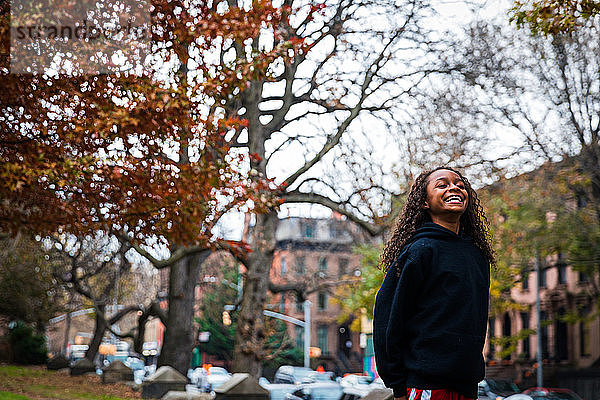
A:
473,221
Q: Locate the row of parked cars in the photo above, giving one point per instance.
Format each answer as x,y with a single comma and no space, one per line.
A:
490,389
300,383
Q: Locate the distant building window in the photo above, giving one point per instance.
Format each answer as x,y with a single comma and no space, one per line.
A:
300,265
299,307
542,278
283,266
282,303
525,326
562,273
322,338
584,335
323,264
335,231
525,280
543,318
581,201
322,301
506,332
299,336
492,334
308,230
583,277
342,267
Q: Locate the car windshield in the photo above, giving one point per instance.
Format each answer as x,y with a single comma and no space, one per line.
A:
218,371
301,373
321,376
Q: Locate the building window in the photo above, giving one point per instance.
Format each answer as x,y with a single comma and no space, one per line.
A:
299,307
322,301
322,338
333,231
542,278
581,201
561,267
544,328
323,264
283,266
506,332
525,281
308,230
584,335
299,336
342,267
583,277
300,265
525,326
561,336
282,303
492,333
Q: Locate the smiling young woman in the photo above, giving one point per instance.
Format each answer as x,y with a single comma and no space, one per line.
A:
431,310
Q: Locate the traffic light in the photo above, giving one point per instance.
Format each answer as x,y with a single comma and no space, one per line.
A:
226,318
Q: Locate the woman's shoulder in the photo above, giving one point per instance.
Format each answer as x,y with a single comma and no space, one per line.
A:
418,248
419,245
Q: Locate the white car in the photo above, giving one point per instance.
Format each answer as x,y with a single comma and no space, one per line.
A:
356,381
217,376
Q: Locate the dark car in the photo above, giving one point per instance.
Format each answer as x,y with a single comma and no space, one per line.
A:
291,374
316,391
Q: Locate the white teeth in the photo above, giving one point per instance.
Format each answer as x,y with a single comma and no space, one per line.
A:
454,198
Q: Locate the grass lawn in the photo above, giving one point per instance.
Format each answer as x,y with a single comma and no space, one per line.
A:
37,383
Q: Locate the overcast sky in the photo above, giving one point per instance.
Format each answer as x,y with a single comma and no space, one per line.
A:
451,16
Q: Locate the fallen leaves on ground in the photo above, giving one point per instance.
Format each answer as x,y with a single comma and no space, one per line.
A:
35,382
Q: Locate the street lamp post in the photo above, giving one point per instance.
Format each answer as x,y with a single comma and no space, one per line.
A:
306,306
540,371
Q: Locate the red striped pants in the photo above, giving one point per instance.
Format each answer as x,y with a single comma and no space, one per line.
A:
434,394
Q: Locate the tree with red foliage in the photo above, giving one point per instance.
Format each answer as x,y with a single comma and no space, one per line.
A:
141,155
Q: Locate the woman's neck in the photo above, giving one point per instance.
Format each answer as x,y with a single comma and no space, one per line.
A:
452,224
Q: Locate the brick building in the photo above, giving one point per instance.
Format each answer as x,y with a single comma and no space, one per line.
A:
570,332
317,251
562,291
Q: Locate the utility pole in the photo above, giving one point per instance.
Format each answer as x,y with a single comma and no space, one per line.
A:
540,371
306,306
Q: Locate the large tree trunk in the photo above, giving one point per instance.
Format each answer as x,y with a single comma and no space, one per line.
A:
67,330
250,335
179,333
99,330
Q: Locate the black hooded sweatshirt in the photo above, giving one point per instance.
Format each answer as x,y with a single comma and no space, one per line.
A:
431,313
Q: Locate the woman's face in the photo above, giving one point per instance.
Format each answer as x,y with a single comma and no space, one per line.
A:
446,193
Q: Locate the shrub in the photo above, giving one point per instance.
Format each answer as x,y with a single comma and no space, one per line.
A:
28,347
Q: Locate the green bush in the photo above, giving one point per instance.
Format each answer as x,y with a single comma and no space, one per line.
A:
27,346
